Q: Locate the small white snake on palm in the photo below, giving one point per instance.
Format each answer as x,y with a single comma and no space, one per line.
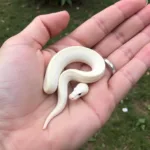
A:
56,77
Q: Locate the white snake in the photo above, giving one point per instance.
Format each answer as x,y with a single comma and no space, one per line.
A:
55,77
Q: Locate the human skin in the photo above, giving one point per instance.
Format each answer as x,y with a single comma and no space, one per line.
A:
120,33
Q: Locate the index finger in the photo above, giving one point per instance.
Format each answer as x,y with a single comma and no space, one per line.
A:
101,24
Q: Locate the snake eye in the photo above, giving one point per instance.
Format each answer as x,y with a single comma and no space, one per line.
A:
79,94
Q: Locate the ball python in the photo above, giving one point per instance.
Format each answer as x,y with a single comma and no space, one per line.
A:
57,77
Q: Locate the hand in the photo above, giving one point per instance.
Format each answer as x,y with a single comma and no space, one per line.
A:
119,33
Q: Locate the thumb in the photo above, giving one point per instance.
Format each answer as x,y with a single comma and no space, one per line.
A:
41,29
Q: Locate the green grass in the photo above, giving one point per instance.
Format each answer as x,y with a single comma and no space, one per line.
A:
124,131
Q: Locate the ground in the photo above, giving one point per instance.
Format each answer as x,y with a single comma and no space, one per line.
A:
124,131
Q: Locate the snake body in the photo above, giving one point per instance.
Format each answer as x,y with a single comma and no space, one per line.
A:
56,77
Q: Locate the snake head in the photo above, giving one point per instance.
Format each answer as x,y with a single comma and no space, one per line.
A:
80,90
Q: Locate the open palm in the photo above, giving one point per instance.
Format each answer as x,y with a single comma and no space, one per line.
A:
120,33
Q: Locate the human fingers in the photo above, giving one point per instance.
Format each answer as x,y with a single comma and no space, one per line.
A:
125,53
40,30
124,32
97,27
127,76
